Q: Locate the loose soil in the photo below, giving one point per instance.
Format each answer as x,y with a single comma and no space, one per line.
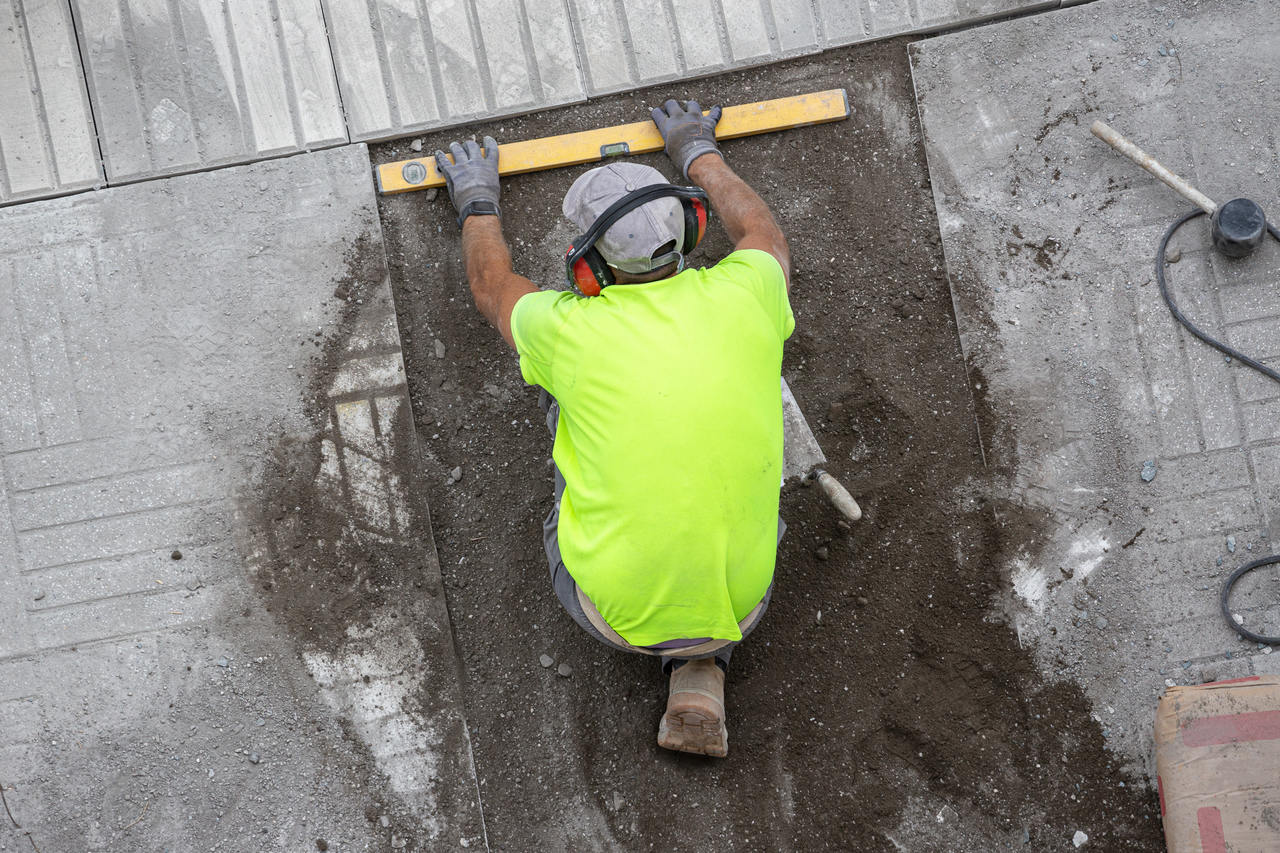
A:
884,679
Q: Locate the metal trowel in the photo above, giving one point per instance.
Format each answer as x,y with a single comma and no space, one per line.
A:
803,458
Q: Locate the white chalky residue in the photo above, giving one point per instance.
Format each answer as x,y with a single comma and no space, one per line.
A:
1030,584
1085,555
404,745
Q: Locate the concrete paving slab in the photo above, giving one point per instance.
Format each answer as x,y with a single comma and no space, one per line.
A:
182,86
177,86
223,626
47,144
1080,373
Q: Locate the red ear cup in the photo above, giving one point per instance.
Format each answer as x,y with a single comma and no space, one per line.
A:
701,210
585,279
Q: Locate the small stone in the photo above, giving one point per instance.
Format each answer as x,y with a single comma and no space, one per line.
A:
176,555
432,193
861,601
465,842
1115,37
223,662
1161,50
1148,471
193,583
1141,64
254,758
1208,675
1101,622
439,345
1231,544
39,595
1080,838
1174,255
416,145
260,722
384,821
823,553
546,660
455,475
1237,618
397,842
321,844
564,670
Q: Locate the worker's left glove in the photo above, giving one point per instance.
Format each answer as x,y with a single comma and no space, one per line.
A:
472,178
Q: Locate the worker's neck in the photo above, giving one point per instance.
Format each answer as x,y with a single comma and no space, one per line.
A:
624,277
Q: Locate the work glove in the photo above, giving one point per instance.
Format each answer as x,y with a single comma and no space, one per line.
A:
687,132
472,178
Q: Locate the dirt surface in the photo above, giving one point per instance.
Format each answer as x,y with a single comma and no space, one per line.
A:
884,703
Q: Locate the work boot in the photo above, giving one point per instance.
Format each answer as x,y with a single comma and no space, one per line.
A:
694,721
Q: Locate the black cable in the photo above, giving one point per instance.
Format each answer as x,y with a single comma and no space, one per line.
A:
1181,318
1225,598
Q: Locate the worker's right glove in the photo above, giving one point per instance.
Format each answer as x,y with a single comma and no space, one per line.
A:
472,178
687,132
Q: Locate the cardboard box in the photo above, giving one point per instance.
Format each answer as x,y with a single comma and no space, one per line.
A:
1218,766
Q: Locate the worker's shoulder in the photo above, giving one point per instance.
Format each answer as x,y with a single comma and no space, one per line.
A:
540,313
749,262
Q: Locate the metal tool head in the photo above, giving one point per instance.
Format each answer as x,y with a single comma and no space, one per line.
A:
800,450
1238,227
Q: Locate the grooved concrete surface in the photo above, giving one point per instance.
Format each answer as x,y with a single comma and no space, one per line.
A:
1082,374
47,144
184,85
200,427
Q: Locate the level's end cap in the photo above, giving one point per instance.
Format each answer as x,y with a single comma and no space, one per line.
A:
844,99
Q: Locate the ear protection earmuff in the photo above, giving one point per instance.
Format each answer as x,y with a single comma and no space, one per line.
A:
585,267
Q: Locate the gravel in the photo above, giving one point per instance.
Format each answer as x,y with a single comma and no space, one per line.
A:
546,660
564,670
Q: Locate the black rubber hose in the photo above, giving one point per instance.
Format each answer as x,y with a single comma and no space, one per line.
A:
1225,598
1181,318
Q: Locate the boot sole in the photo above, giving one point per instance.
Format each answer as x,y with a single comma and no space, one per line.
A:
690,730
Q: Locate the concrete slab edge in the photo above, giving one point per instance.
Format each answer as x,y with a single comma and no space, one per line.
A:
824,43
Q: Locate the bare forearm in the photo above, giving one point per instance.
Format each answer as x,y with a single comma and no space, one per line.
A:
486,258
495,287
744,214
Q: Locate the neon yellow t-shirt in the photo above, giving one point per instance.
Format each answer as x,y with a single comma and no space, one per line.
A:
669,440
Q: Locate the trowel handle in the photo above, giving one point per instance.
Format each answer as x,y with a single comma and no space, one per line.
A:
838,495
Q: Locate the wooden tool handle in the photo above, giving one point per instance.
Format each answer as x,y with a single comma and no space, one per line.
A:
1117,141
838,495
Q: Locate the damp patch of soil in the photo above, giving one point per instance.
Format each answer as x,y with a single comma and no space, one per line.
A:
883,680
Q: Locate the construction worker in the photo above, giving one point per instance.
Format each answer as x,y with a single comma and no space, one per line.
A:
662,395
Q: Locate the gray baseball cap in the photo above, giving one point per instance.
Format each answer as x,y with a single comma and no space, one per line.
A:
630,243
